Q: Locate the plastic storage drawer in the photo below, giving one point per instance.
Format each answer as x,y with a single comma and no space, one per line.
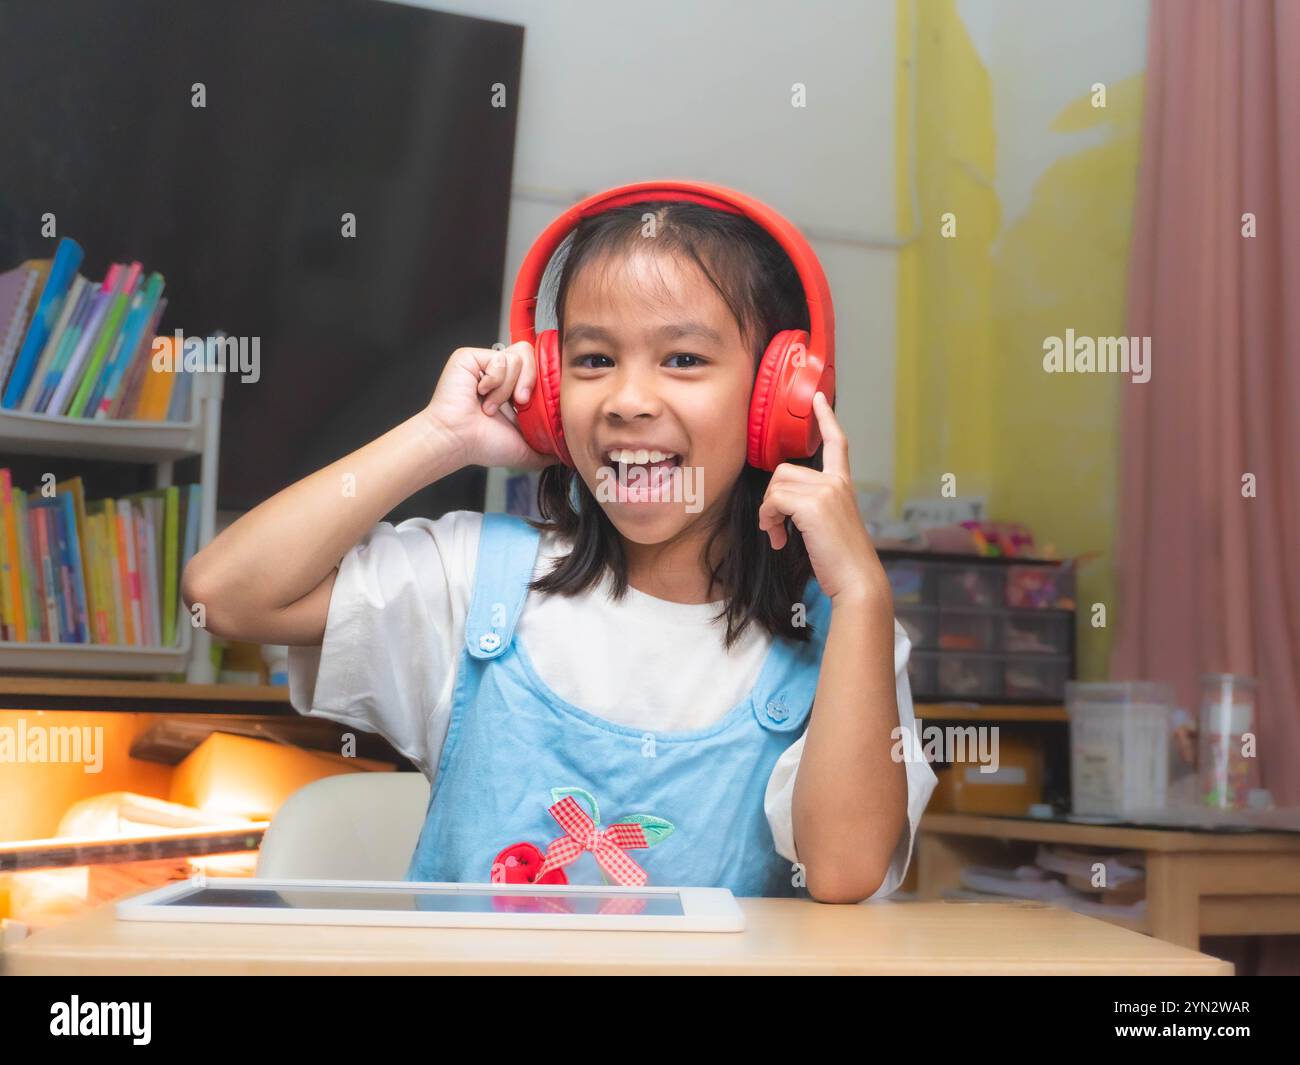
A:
970,676
1033,632
913,583
921,623
1040,587
922,674
972,586
967,630
1035,677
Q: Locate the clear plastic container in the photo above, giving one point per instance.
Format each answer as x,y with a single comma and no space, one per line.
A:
970,676
1035,633
912,583
1119,746
1035,677
923,674
921,624
1229,769
971,586
967,630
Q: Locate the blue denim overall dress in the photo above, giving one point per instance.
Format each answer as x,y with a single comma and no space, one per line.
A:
514,746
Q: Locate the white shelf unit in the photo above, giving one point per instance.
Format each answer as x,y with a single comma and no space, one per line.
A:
158,444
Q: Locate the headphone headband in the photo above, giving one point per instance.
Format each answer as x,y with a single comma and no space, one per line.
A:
817,293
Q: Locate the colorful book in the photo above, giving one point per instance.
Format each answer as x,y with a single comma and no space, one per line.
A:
107,338
73,493
62,576
121,601
47,541
59,352
10,617
123,405
105,300
69,317
67,259
60,347
131,596
17,287
156,389
31,583
76,569
163,506
127,346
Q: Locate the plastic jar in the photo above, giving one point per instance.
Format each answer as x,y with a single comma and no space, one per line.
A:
1229,769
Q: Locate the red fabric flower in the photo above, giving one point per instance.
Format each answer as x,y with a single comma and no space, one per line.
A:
519,863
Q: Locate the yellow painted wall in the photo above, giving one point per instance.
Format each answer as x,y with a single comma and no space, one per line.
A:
972,397
944,391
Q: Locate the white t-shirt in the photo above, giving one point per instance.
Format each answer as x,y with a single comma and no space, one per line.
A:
396,628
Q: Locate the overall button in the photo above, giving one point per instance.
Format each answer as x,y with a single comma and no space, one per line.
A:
489,641
777,711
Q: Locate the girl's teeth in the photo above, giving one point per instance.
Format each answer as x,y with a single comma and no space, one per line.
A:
640,456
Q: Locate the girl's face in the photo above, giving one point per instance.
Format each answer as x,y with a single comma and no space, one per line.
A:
652,359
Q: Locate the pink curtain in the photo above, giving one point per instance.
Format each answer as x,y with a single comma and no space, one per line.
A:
1209,579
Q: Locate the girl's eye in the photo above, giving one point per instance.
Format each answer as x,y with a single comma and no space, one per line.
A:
582,360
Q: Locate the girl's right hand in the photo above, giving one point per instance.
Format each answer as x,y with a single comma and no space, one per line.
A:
469,402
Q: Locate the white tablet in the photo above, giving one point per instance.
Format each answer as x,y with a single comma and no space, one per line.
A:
241,900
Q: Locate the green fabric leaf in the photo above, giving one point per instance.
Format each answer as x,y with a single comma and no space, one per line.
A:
582,796
656,829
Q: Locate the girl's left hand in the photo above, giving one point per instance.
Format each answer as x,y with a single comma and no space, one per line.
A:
824,509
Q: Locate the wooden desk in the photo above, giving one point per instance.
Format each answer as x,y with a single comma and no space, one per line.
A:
1198,883
782,936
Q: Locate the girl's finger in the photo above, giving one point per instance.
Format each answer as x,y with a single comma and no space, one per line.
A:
835,453
492,367
791,473
505,384
778,504
527,372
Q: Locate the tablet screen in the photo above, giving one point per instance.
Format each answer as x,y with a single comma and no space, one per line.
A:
440,900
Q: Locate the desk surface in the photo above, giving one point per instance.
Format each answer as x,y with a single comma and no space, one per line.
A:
782,936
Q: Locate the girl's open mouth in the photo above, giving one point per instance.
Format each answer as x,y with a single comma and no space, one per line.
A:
649,480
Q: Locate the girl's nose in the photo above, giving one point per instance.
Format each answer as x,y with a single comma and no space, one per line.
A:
631,394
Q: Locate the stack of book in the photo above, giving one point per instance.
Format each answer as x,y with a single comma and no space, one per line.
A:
84,349
98,572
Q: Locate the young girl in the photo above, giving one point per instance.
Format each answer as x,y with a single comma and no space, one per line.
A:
696,685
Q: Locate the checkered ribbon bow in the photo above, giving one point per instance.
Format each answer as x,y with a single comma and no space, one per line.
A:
607,844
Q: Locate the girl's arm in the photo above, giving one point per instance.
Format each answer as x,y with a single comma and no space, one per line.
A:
850,795
268,577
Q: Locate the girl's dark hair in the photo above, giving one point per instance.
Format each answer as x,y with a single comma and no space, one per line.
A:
758,282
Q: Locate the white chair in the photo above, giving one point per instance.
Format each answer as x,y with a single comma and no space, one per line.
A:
355,826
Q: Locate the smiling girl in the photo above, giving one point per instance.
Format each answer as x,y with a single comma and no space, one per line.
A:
649,685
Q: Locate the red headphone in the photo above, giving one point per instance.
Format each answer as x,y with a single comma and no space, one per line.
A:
795,366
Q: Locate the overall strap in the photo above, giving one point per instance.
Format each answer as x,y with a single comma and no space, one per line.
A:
784,693
507,554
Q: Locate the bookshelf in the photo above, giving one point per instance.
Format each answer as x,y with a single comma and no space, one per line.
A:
142,696
160,445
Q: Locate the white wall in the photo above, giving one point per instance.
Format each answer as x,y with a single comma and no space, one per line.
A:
615,92
1041,55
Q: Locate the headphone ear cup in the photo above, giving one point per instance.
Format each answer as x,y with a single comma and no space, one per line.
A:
768,420
539,418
